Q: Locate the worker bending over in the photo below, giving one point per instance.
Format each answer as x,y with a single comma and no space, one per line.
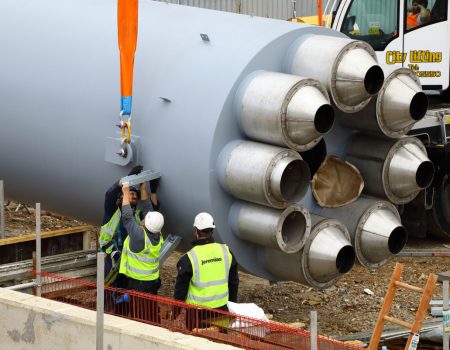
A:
207,274
113,233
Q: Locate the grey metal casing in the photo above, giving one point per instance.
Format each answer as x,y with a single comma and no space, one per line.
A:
59,92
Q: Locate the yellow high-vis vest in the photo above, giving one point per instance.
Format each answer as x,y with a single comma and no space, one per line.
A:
108,230
211,265
142,266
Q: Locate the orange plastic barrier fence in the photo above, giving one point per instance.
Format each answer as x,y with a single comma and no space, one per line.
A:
216,325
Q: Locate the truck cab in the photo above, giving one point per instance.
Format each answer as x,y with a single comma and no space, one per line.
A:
399,39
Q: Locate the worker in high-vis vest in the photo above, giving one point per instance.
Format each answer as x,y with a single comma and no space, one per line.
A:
207,274
112,232
141,249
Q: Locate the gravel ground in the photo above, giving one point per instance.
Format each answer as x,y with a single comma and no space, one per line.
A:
342,309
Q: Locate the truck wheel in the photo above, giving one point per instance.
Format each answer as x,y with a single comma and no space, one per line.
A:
439,217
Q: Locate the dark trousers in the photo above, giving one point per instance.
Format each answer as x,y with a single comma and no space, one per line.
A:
121,281
145,309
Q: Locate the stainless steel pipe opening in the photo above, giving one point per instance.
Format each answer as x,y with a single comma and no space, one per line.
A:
263,174
283,109
354,76
286,230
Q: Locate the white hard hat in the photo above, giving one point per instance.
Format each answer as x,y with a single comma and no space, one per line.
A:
203,221
154,221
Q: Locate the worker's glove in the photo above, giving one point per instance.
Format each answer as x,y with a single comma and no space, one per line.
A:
136,170
154,184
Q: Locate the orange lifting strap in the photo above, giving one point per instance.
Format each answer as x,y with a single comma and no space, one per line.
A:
127,23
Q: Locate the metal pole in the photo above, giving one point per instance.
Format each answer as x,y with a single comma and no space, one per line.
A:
22,286
445,338
313,330
100,298
2,211
38,250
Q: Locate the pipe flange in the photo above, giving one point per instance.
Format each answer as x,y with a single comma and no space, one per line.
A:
382,125
298,86
289,210
359,228
305,256
333,88
385,177
273,201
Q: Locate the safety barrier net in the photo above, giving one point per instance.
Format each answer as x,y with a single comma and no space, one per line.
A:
237,330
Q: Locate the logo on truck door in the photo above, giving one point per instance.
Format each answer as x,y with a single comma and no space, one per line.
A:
415,57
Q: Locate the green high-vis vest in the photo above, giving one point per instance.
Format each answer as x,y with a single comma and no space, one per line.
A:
142,266
211,265
108,230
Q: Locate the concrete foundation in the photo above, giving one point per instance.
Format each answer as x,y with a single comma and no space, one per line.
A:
29,322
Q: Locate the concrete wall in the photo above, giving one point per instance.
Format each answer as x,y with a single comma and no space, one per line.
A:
29,322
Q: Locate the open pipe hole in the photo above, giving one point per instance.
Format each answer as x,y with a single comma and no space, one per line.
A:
293,228
345,259
324,118
294,180
315,156
373,81
397,240
418,106
424,174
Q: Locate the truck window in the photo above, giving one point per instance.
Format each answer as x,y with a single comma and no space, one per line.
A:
419,13
375,22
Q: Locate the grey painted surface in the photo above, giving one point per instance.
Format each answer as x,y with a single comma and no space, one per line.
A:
59,92
279,9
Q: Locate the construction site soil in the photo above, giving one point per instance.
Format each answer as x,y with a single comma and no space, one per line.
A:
350,306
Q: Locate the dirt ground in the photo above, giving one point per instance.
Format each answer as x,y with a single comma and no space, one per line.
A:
343,309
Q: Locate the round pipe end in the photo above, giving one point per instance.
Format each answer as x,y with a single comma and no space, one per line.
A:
379,234
400,103
397,240
345,259
424,174
406,170
373,80
283,230
418,106
295,229
324,118
289,179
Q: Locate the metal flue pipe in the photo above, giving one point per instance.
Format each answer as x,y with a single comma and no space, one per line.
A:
284,110
375,229
263,174
393,169
286,230
326,256
398,106
354,76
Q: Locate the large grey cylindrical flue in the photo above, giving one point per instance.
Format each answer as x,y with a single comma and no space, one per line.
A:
60,97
